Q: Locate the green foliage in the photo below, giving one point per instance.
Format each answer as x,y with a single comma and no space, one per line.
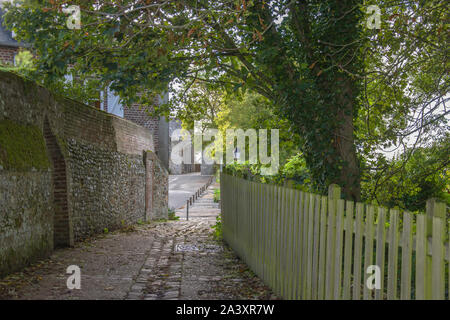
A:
24,64
296,169
24,60
22,147
244,170
171,215
216,195
404,96
294,174
239,48
409,184
338,91
251,110
218,228
202,102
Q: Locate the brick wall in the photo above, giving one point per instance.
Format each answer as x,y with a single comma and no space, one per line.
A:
7,55
63,232
98,175
139,115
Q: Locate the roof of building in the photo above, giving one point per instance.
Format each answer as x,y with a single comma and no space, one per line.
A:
6,38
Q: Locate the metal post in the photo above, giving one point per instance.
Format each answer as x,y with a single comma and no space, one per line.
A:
187,210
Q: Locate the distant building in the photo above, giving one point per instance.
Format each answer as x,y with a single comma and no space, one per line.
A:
194,159
8,46
183,167
158,126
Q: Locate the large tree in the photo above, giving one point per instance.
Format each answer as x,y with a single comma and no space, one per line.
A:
306,57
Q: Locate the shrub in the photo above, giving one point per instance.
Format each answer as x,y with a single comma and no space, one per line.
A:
171,215
218,228
216,195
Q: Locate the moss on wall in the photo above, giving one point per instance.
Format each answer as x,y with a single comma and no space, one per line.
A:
22,147
34,249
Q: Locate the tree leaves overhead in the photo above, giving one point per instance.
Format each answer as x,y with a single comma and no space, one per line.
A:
346,90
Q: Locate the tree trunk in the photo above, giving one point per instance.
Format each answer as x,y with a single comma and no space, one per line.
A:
349,177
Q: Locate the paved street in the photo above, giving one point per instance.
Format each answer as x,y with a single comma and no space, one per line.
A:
181,187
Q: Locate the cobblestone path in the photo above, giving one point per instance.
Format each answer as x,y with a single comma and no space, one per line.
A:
162,260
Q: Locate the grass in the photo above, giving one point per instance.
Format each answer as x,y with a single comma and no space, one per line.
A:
216,195
171,215
218,228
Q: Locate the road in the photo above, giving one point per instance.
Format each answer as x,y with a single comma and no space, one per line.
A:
181,187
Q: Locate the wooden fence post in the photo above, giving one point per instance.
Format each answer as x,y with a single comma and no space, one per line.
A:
393,255
430,269
334,193
407,243
368,247
435,287
380,250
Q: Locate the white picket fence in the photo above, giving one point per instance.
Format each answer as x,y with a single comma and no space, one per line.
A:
308,246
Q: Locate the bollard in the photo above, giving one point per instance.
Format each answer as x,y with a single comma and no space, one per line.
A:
187,210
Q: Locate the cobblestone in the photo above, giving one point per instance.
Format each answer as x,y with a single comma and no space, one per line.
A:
145,265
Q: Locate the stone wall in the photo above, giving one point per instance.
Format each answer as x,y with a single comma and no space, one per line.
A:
26,218
68,171
160,192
